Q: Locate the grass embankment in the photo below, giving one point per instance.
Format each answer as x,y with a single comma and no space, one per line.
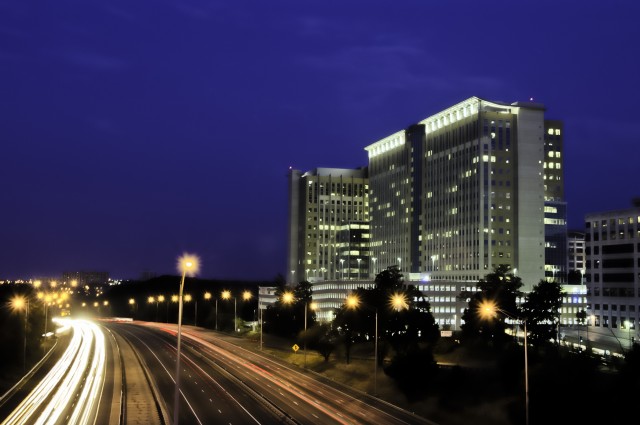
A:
449,404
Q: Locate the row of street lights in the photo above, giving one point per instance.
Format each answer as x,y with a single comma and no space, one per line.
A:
225,295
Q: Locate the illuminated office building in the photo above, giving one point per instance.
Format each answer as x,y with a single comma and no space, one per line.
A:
329,234
555,208
471,187
464,190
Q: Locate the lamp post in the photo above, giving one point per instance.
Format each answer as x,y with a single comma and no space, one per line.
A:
132,303
207,297
188,263
488,310
46,299
160,299
358,260
174,299
398,301
628,325
353,302
225,296
152,300
399,263
188,298
19,303
342,268
246,295
260,310
288,298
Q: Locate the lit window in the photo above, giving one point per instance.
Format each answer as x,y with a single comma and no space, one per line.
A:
550,131
557,132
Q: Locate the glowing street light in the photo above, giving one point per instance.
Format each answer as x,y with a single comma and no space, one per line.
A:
187,264
358,260
207,297
342,268
22,303
226,295
46,300
488,310
398,301
288,298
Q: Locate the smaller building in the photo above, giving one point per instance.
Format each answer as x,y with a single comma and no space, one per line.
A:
612,246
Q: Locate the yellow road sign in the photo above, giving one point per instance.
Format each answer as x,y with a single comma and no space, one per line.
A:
295,347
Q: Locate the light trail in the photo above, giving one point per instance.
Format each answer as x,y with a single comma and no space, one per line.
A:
80,370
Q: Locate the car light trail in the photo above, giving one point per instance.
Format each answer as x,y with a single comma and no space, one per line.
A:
83,361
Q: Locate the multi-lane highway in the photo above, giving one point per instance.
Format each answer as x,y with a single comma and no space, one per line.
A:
70,392
222,382
116,373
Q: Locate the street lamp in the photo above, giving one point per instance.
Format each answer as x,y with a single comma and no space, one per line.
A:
353,302
207,296
188,299
488,310
190,264
311,306
174,299
342,268
358,260
46,299
152,300
399,263
288,298
161,300
19,303
226,294
397,301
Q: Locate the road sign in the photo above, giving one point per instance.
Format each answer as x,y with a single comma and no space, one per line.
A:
295,347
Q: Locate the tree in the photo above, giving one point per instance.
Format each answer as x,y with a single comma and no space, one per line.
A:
581,316
542,310
287,318
323,339
403,316
501,288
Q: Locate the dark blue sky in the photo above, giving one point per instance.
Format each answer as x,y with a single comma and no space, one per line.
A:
134,131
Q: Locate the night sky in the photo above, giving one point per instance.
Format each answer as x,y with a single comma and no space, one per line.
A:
132,131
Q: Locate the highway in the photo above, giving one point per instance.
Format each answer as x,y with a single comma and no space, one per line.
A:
70,392
116,373
222,382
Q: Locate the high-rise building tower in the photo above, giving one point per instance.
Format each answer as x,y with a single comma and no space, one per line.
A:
464,190
555,207
328,225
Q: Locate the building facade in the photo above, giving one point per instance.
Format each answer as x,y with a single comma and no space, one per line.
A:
447,199
612,240
577,260
329,234
463,191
